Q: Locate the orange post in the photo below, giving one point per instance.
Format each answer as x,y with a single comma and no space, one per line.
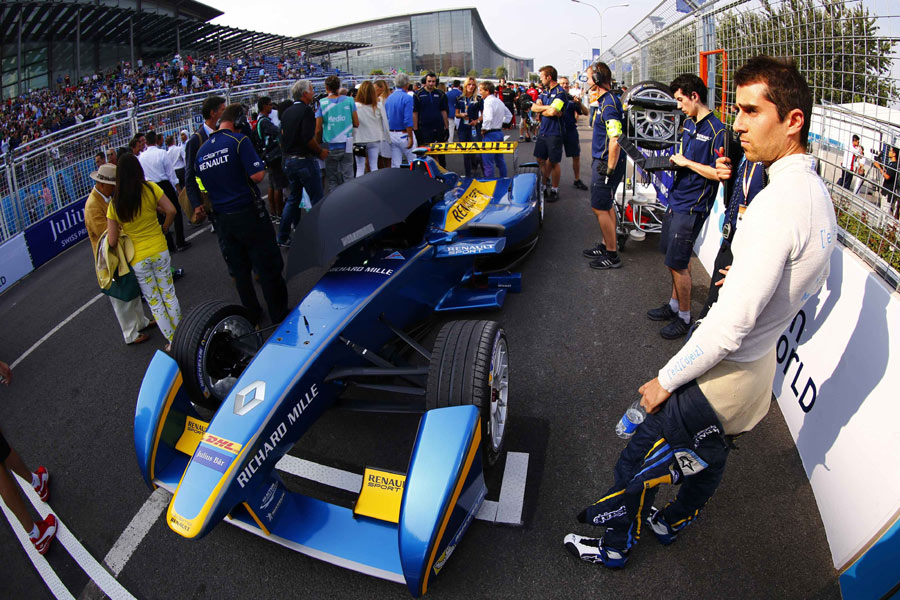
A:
704,67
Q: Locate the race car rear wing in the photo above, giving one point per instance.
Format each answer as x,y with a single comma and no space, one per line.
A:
471,148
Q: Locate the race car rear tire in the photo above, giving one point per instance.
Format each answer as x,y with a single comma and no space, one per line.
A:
209,362
538,190
470,366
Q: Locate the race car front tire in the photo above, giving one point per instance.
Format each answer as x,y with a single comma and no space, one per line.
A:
470,366
209,362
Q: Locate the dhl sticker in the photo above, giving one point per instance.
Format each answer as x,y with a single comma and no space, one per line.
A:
222,443
474,200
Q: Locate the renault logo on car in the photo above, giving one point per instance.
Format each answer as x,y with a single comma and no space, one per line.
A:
248,398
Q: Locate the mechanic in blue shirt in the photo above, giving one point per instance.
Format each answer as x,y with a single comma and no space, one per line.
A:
453,95
468,110
690,198
571,143
399,109
430,115
228,168
548,148
607,167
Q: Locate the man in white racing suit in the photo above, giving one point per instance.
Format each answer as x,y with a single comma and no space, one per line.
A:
719,384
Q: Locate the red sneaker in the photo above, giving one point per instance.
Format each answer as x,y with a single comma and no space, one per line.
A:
43,486
46,533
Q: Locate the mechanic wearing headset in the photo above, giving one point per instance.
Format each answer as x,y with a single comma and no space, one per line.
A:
719,385
430,114
607,167
228,168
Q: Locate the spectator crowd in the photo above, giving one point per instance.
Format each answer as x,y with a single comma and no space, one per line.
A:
69,102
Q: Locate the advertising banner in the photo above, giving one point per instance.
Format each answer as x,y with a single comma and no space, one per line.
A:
14,261
56,233
836,383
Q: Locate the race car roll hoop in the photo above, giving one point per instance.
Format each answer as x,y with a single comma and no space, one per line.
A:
357,331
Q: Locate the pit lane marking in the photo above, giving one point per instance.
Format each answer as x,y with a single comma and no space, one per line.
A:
77,312
57,588
100,576
140,525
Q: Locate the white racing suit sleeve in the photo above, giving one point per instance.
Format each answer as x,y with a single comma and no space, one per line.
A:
749,285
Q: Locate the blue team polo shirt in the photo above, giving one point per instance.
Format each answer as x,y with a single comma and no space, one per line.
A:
470,106
692,193
224,165
553,125
608,122
429,105
399,109
453,95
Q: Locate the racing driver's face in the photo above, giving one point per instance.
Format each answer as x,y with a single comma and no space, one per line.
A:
764,136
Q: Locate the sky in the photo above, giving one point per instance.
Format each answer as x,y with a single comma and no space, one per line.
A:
517,27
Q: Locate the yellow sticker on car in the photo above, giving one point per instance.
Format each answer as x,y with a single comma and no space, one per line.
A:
474,200
380,495
472,148
191,436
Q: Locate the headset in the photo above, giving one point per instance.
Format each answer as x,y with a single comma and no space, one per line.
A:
596,77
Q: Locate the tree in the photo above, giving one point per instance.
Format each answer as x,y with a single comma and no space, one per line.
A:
487,72
501,72
836,45
454,72
472,73
376,72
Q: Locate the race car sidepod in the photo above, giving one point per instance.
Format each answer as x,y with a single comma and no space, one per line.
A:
442,492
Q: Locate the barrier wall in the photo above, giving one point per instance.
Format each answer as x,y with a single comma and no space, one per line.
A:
15,262
836,384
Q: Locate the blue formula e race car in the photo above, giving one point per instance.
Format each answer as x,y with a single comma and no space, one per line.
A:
212,422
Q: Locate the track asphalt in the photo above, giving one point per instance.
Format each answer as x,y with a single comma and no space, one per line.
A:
580,346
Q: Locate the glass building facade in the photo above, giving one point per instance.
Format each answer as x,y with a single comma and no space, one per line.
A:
434,41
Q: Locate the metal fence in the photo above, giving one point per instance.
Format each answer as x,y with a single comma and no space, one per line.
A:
849,53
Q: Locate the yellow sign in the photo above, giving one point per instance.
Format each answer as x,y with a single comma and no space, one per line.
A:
472,148
474,200
380,495
190,438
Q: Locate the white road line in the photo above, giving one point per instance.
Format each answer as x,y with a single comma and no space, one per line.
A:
104,580
75,314
57,588
345,480
118,556
54,330
512,490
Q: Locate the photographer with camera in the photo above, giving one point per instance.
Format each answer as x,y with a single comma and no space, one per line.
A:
229,169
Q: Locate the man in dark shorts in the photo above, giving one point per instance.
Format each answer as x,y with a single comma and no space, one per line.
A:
607,168
690,199
40,532
571,143
548,148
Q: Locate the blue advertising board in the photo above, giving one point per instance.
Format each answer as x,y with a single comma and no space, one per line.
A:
58,232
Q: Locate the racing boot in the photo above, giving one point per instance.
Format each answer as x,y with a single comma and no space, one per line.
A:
593,550
662,530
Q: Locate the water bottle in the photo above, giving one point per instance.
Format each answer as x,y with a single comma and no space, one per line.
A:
629,422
